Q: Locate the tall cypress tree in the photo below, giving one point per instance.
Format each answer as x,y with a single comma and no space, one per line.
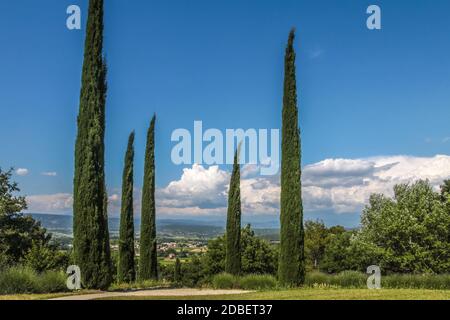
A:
291,269
148,263
91,238
177,271
126,269
233,236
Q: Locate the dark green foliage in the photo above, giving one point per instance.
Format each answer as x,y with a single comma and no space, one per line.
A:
344,253
316,235
91,237
257,256
214,259
445,191
22,280
46,258
406,234
409,233
233,235
17,231
148,263
193,272
258,282
224,281
177,276
126,269
291,269
317,239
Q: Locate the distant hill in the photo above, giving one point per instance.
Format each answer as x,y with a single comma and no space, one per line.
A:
188,228
62,224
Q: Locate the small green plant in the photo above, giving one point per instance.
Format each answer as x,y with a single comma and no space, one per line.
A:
257,282
224,281
314,279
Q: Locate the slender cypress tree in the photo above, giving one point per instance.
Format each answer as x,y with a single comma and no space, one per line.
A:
148,263
126,269
91,238
233,236
291,269
177,271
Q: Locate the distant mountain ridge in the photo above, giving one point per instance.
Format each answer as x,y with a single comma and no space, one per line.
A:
208,228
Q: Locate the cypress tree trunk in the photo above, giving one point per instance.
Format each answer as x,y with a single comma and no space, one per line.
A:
291,269
91,238
233,236
125,269
148,263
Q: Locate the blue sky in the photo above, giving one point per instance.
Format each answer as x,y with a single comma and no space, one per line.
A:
362,94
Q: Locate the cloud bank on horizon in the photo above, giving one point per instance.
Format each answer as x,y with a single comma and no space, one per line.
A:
339,186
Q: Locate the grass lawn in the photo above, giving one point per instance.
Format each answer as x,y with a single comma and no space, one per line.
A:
319,294
43,296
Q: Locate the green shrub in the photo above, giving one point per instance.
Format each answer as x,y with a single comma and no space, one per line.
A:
257,282
51,282
317,279
17,280
350,279
44,258
23,280
405,281
224,281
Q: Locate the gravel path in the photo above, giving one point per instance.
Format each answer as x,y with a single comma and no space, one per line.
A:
153,293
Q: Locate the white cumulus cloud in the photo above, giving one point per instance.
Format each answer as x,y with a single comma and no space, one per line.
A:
49,174
331,185
22,172
337,185
50,203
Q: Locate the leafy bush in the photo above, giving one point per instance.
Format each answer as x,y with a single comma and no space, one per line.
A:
409,232
17,231
17,280
193,273
224,281
350,279
258,255
317,279
51,282
22,280
45,258
257,282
